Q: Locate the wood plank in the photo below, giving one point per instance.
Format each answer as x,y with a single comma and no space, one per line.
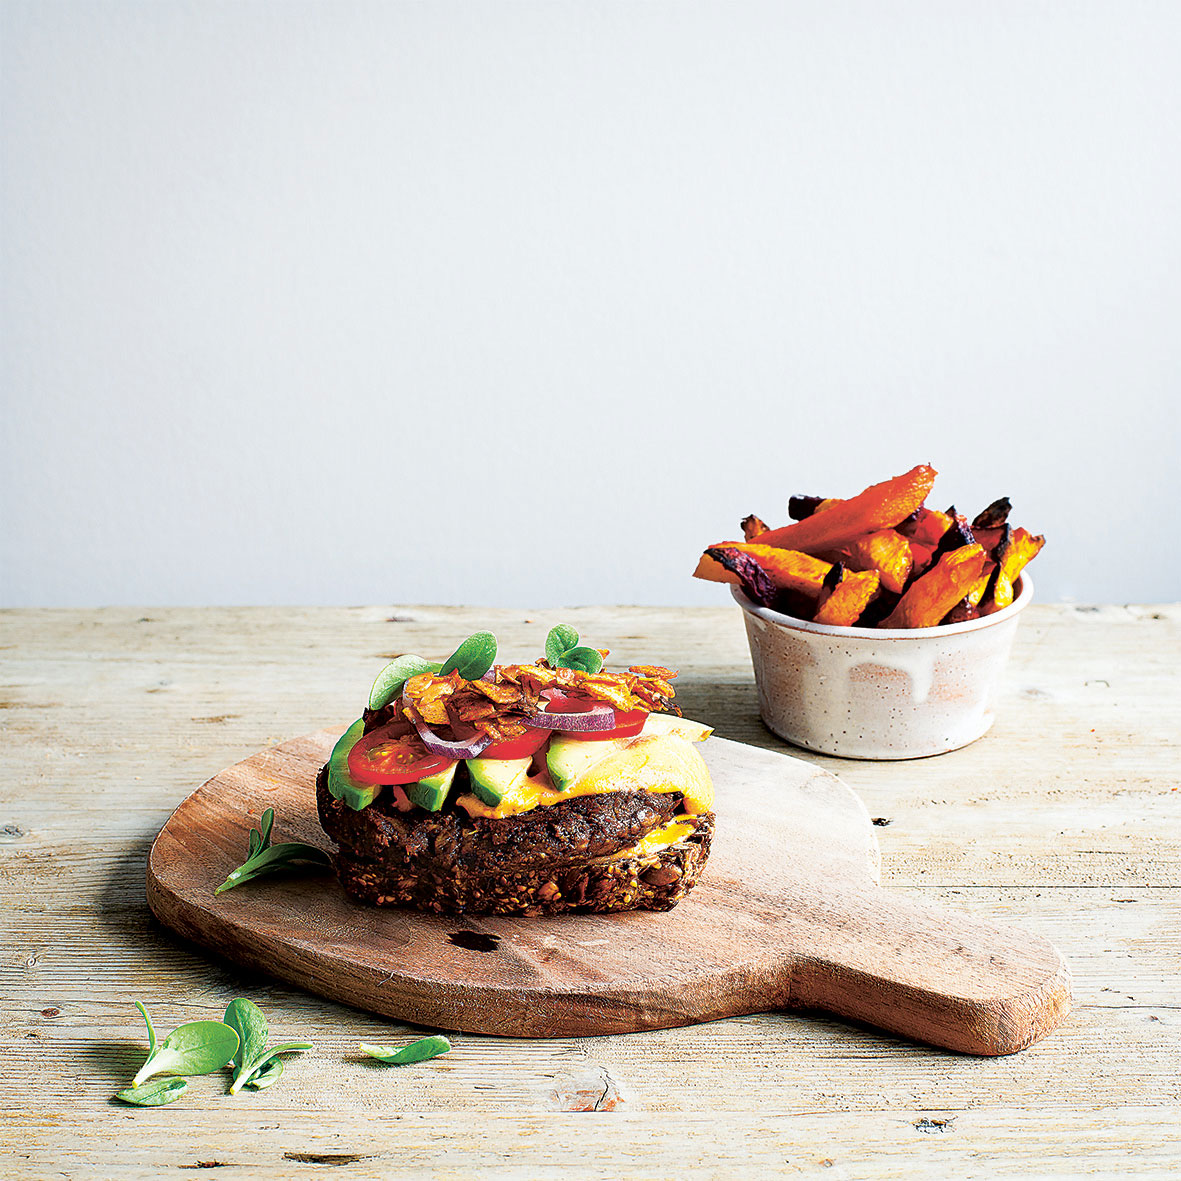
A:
902,1143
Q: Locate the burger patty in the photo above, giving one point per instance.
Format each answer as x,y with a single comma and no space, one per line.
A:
449,842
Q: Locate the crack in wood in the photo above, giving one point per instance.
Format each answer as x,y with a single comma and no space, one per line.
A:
327,1158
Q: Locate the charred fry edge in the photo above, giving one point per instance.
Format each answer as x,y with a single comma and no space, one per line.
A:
799,507
994,516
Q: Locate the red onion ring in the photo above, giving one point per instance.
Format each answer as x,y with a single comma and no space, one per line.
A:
447,749
598,717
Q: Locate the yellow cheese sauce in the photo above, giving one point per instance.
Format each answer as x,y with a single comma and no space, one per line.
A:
676,829
660,762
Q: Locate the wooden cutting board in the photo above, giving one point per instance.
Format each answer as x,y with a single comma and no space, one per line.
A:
789,914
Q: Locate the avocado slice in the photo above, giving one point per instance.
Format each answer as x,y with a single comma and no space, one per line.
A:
341,785
493,779
682,727
568,758
431,792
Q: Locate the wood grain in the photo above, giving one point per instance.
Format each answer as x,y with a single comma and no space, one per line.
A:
1065,819
788,914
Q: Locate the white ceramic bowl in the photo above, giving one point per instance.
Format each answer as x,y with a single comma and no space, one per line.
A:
879,693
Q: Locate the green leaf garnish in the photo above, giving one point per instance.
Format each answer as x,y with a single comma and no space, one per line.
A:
562,637
266,1076
585,660
419,1051
255,1066
264,858
157,1094
247,1020
395,674
473,658
198,1047
562,650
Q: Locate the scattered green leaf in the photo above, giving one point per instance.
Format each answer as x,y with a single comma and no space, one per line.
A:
247,1020
395,674
419,1051
269,1059
155,1094
255,1060
473,658
266,1076
198,1047
585,660
264,858
562,637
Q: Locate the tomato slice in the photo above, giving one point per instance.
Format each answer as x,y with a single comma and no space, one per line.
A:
557,702
520,747
391,755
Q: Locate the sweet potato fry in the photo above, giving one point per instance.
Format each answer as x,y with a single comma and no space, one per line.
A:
831,581
973,597
1014,554
887,552
989,537
711,570
969,606
843,606
933,595
921,555
786,568
752,526
881,506
751,576
925,527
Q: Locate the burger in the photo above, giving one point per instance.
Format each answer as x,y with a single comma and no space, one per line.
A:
471,787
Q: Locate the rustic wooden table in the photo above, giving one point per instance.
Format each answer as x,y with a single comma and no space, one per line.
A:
1063,819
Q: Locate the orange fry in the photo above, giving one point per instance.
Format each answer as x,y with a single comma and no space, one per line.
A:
844,605
887,552
881,506
711,570
988,537
930,598
969,606
786,568
974,596
1012,558
927,528
752,526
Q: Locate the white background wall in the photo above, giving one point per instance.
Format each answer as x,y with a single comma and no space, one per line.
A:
525,303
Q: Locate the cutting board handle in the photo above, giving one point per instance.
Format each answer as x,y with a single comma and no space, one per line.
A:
929,974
